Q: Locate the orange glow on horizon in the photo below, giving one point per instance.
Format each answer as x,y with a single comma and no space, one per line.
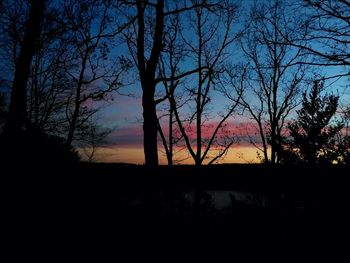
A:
135,155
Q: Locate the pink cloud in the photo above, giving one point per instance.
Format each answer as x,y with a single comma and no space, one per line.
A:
234,129
129,135
123,110
133,134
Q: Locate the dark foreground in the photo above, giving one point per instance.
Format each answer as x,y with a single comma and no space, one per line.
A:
92,203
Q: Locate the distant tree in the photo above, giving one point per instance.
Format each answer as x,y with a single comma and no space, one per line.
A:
89,138
313,137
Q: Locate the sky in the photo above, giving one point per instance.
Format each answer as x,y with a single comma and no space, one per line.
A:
123,116
125,142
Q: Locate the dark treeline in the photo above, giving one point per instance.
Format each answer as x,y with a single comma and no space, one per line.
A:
108,205
256,61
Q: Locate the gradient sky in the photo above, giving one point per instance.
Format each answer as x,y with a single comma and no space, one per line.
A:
124,116
125,142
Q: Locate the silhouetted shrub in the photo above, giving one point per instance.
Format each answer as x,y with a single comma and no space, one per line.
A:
35,147
314,137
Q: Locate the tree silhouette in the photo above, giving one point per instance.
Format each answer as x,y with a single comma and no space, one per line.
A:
210,36
91,29
271,75
146,43
46,85
71,68
17,110
146,59
169,67
327,32
313,137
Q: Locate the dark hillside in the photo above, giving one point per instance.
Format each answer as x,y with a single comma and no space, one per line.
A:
265,203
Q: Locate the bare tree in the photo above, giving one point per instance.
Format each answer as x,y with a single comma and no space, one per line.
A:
13,19
327,38
169,67
91,28
46,81
48,84
207,38
327,41
272,75
146,42
71,67
16,118
90,138
48,88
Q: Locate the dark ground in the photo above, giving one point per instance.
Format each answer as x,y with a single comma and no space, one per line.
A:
88,203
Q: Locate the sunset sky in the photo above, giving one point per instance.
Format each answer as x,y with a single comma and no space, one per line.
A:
123,116
122,112
125,143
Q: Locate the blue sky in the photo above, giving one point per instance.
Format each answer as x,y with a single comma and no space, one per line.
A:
124,114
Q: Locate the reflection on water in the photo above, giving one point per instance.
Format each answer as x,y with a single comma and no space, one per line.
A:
224,199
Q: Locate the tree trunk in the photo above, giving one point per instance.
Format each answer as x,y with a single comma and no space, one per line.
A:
150,130
171,140
273,145
17,110
147,73
77,102
73,124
